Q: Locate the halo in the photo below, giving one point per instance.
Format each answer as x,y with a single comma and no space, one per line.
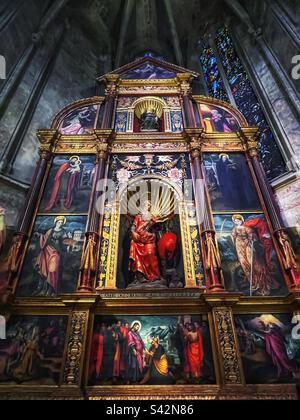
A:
60,218
239,217
224,155
77,158
136,322
162,198
269,319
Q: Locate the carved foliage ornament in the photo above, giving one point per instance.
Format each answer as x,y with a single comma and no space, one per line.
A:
226,338
75,348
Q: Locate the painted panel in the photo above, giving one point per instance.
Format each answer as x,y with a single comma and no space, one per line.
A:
151,350
69,185
53,257
230,183
270,348
249,261
32,353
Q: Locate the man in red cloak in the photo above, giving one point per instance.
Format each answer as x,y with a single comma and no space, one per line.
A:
143,252
65,182
194,352
97,353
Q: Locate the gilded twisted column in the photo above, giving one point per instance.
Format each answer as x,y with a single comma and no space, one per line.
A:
212,260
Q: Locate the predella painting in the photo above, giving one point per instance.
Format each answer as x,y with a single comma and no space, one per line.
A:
270,348
69,185
151,350
53,257
249,262
33,350
229,183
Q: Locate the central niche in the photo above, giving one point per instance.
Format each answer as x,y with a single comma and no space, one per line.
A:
149,112
150,249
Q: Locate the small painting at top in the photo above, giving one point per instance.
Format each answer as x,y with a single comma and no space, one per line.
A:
81,121
217,119
149,71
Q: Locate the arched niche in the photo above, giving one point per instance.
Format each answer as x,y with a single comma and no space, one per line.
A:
114,214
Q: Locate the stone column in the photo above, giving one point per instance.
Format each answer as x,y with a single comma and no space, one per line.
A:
184,81
48,140
37,37
111,94
212,260
89,262
288,256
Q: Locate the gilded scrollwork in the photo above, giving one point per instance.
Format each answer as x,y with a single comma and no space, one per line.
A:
75,349
227,346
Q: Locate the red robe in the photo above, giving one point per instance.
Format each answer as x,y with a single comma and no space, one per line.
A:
68,199
143,256
97,354
49,262
124,348
264,236
195,354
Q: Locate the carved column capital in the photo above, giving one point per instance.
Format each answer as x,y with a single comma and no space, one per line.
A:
112,84
48,141
184,83
250,139
194,137
103,139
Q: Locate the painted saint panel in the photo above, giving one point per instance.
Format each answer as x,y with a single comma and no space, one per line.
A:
217,119
69,185
148,71
121,122
81,121
249,261
151,350
270,348
53,257
32,353
230,184
176,121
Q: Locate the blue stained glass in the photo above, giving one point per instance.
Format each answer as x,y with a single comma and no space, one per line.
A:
212,74
248,103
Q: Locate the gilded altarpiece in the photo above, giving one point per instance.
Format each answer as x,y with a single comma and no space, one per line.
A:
189,289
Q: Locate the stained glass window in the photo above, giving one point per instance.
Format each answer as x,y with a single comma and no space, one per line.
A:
248,103
212,74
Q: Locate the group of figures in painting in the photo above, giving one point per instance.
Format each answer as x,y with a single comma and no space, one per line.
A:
33,350
151,351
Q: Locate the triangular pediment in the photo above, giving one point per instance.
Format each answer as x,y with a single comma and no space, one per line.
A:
149,68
